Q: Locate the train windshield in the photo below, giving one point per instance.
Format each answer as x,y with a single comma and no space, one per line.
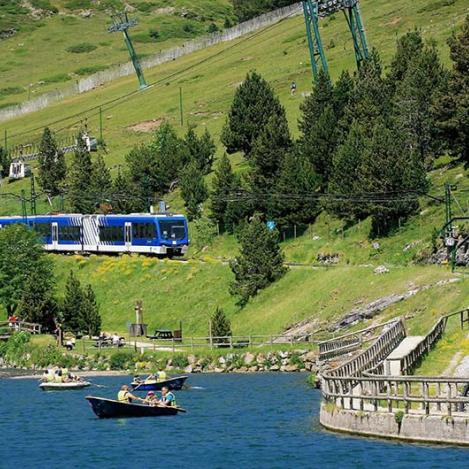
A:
173,230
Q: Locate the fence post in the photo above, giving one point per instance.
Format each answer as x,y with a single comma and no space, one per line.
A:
173,344
231,341
210,334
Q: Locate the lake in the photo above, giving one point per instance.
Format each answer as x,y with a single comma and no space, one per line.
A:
233,421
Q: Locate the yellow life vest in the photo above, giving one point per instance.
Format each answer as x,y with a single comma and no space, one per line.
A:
162,376
123,396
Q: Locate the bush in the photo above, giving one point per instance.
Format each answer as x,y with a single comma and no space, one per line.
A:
154,34
399,417
89,70
180,361
188,28
213,28
44,5
10,90
122,360
78,4
59,78
82,48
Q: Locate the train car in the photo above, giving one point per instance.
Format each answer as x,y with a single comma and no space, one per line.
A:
161,234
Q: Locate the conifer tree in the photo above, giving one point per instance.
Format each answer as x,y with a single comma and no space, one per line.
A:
452,106
253,104
200,149
52,168
294,201
4,163
80,177
223,183
391,169
90,318
125,198
193,190
341,94
72,304
240,204
266,158
347,182
220,327
412,103
101,180
259,263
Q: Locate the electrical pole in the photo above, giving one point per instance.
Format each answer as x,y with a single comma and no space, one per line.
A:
33,196
122,23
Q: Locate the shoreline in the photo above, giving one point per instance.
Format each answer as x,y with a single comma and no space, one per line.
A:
30,374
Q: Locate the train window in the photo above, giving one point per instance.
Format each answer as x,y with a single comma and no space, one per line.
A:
42,229
143,230
70,233
111,233
173,230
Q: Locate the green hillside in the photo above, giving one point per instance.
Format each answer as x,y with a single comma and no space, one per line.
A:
190,291
44,54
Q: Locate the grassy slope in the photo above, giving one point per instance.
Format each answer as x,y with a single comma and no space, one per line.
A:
38,52
191,291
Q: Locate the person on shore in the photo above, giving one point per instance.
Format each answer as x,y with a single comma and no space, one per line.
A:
168,399
293,88
151,399
124,395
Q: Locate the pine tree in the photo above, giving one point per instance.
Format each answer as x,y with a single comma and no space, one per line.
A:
80,177
52,168
409,47
124,198
101,180
412,103
193,190
90,318
341,94
72,304
223,183
253,104
452,106
259,263
4,163
220,327
200,149
347,182
394,172
294,189
266,158
240,205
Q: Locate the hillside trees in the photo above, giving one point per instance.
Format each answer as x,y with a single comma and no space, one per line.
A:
4,163
101,180
200,149
193,189
452,106
259,263
26,275
52,168
220,326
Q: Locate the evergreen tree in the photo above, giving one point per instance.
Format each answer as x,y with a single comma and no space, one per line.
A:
80,177
253,104
72,304
409,47
223,183
26,274
452,106
414,96
90,318
125,198
4,163
52,168
266,158
193,190
341,93
294,201
101,180
200,149
220,327
240,205
259,263
346,183
394,172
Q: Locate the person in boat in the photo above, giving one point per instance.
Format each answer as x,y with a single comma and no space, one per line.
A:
124,395
150,379
161,376
151,399
137,379
58,375
168,399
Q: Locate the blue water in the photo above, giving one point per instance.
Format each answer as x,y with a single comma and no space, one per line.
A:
233,421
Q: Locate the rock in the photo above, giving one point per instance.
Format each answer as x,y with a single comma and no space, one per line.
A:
222,361
283,354
253,369
310,356
249,358
289,368
375,245
316,238
243,369
86,14
260,358
188,369
191,359
381,269
218,370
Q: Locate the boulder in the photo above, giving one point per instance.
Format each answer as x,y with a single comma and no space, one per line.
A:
249,358
310,356
253,368
191,359
274,368
381,269
188,369
289,368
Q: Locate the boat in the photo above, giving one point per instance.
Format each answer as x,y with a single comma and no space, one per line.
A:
110,408
173,384
64,386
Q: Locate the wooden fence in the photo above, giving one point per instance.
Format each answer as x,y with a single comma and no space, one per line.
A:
21,326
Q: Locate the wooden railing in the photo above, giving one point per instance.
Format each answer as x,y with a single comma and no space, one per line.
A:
21,326
348,342
360,383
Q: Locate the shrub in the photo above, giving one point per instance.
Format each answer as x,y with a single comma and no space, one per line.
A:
81,48
44,5
59,78
180,361
10,90
78,4
121,360
154,34
213,28
399,417
89,70
188,28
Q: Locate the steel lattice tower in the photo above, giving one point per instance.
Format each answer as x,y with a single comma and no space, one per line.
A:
315,9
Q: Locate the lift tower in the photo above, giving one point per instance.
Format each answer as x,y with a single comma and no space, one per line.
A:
315,9
122,23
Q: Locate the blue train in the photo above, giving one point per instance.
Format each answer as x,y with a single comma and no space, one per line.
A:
161,234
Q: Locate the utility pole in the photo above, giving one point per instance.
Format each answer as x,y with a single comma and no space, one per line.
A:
33,196
24,212
122,23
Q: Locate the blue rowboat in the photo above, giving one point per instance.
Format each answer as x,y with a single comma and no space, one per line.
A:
173,384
